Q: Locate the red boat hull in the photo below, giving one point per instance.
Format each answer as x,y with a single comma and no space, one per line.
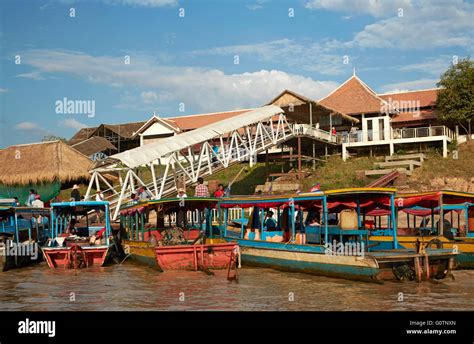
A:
64,257
194,257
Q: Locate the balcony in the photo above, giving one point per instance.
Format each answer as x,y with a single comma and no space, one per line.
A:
404,135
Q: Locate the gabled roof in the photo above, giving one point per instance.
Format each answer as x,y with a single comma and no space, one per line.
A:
354,97
92,145
157,119
287,98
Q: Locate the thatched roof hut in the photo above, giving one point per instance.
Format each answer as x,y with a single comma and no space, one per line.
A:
43,162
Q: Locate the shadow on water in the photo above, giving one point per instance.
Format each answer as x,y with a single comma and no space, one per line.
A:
135,287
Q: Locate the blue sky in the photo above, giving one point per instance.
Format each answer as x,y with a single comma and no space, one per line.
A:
185,64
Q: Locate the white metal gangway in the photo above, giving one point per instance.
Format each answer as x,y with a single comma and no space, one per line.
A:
220,145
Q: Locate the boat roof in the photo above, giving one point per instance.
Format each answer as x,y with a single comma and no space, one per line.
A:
33,210
168,203
270,201
79,203
359,191
433,198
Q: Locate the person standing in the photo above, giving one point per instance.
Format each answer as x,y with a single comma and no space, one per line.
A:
75,194
37,203
201,189
220,192
31,198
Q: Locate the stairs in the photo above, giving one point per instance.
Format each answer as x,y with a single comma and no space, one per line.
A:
393,167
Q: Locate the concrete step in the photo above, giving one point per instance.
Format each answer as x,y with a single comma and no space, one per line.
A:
409,163
387,171
417,156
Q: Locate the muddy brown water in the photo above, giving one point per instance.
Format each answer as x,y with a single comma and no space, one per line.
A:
135,287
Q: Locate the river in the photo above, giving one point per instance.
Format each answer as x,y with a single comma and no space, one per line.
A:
135,287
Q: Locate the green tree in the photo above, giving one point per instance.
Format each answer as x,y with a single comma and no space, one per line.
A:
52,138
456,96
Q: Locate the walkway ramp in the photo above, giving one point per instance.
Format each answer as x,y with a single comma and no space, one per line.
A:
197,153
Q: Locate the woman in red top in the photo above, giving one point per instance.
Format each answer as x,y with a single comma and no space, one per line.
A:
219,193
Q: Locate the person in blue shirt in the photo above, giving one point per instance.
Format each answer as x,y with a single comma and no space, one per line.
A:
270,223
31,198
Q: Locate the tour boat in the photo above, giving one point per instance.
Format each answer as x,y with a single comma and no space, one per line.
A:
23,230
422,214
80,235
176,234
323,233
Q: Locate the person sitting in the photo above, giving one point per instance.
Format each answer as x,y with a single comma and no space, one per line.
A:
71,229
313,222
270,223
143,194
182,193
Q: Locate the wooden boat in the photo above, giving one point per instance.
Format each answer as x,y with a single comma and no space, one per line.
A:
178,243
22,231
88,244
333,247
424,228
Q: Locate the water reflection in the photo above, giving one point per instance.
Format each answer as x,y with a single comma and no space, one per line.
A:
135,287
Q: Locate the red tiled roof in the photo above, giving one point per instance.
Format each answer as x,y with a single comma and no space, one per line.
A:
353,97
421,115
425,97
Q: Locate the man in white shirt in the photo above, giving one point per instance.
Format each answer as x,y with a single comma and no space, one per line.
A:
37,203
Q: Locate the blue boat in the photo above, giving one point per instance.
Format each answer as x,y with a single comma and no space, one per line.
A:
22,231
81,235
322,233
421,215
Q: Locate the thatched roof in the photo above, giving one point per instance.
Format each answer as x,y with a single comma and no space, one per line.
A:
92,145
81,135
42,162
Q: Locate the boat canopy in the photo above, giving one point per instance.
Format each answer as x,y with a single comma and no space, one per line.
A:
433,199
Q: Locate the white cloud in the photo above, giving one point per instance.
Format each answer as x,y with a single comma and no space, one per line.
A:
3,90
33,75
72,123
376,8
28,126
410,85
433,66
149,97
424,24
143,3
305,55
258,5
202,89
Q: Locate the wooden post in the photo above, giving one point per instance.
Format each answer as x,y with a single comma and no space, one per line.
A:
299,157
426,267
418,272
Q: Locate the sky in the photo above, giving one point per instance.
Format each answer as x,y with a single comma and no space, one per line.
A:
128,59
